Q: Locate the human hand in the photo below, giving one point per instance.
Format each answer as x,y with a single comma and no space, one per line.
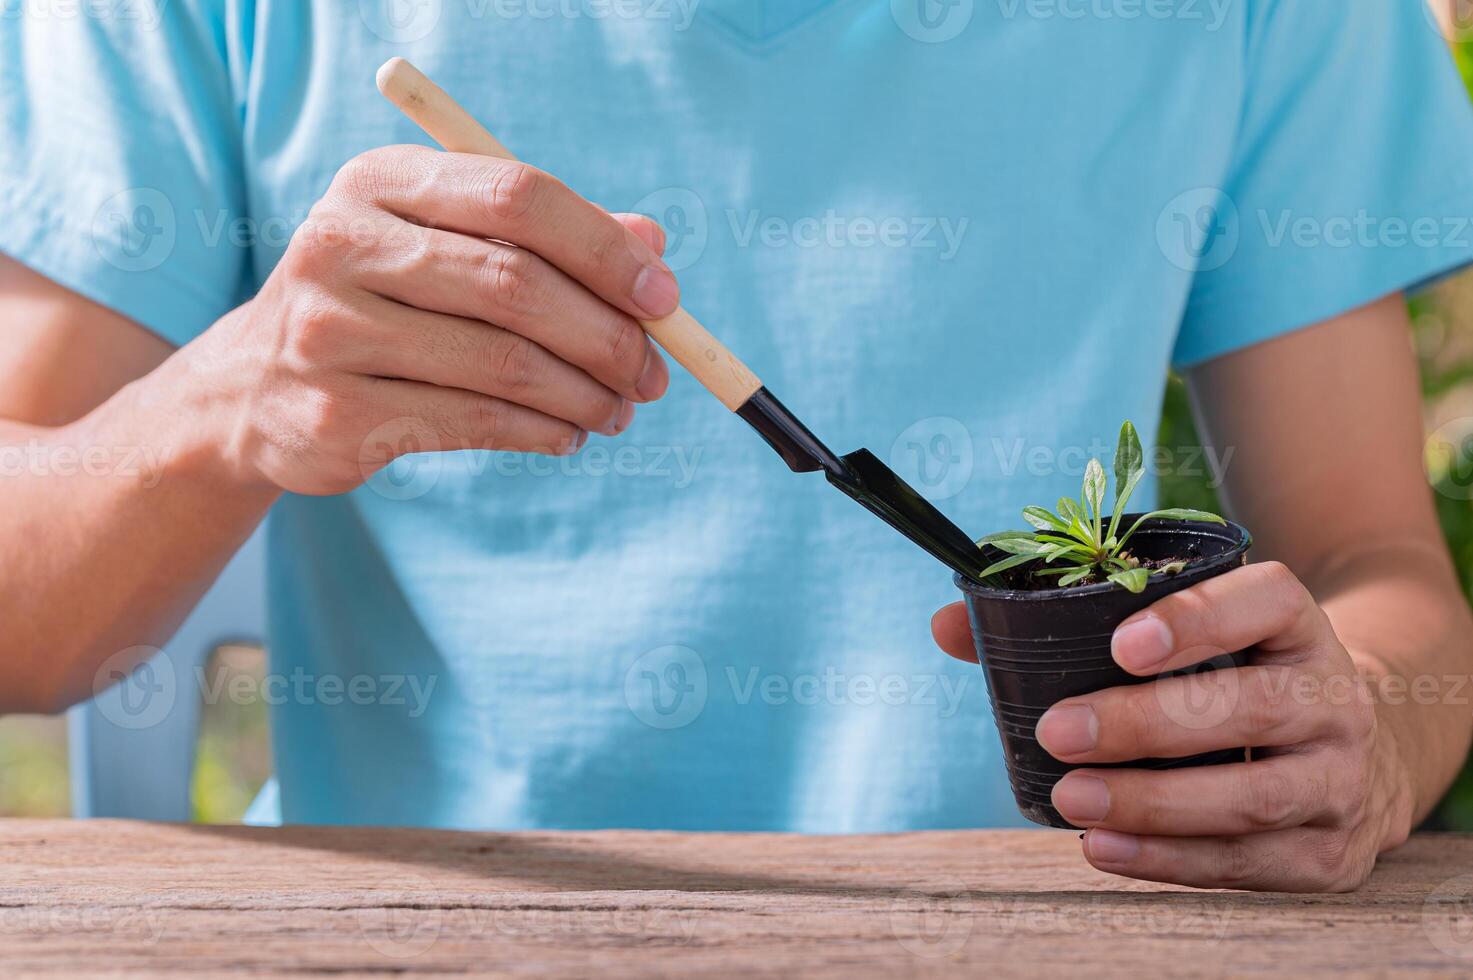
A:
1325,791
461,301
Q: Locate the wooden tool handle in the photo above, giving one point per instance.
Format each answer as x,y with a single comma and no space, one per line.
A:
691,344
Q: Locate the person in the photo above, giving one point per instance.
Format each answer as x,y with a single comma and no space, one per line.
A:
971,236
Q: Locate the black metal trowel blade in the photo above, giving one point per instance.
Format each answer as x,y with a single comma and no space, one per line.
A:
864,477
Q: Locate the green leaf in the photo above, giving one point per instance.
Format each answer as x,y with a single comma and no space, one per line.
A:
1005,564
1094,492
1004,536
1020,546
1078,528
1187,514
1122,496
1129,460
1173,568
1078,575
1133,580
1043,520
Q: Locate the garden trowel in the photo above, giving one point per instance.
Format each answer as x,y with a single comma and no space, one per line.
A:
860,474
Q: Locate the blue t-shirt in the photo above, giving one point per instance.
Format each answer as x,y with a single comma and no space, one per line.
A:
970,236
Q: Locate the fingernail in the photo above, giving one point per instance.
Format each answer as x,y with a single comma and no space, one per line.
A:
655,291
1142,646
1068,729
621,419
1111,847
1081,798
654,380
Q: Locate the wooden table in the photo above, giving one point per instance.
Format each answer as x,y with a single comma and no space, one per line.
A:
92,897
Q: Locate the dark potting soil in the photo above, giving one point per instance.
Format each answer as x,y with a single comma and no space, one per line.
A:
1022,579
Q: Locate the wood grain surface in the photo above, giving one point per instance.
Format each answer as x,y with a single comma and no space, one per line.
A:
81,898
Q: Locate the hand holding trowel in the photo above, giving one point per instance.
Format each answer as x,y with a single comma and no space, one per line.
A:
860,474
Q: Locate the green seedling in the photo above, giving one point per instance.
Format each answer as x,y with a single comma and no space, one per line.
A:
1080,543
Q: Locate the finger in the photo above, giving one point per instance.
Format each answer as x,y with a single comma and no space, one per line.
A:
1175,717
953,632
1276,793
1262,606
517,203
453,352
514,288
648,230
435,419
1298,860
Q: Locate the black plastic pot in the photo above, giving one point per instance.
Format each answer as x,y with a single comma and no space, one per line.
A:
1039,647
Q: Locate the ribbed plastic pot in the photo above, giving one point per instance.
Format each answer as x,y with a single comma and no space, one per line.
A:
1039,647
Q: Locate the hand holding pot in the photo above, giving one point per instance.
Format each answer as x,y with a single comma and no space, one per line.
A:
1325,791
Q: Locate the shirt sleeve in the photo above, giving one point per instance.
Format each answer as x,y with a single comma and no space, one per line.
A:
120,158
1350,176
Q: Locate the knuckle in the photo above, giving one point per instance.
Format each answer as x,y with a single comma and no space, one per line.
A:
1330,858
1190,614
316,330
626,350
1261,713
363,177
511,190
1270,799
486,420
1236,863
516,363
510,278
